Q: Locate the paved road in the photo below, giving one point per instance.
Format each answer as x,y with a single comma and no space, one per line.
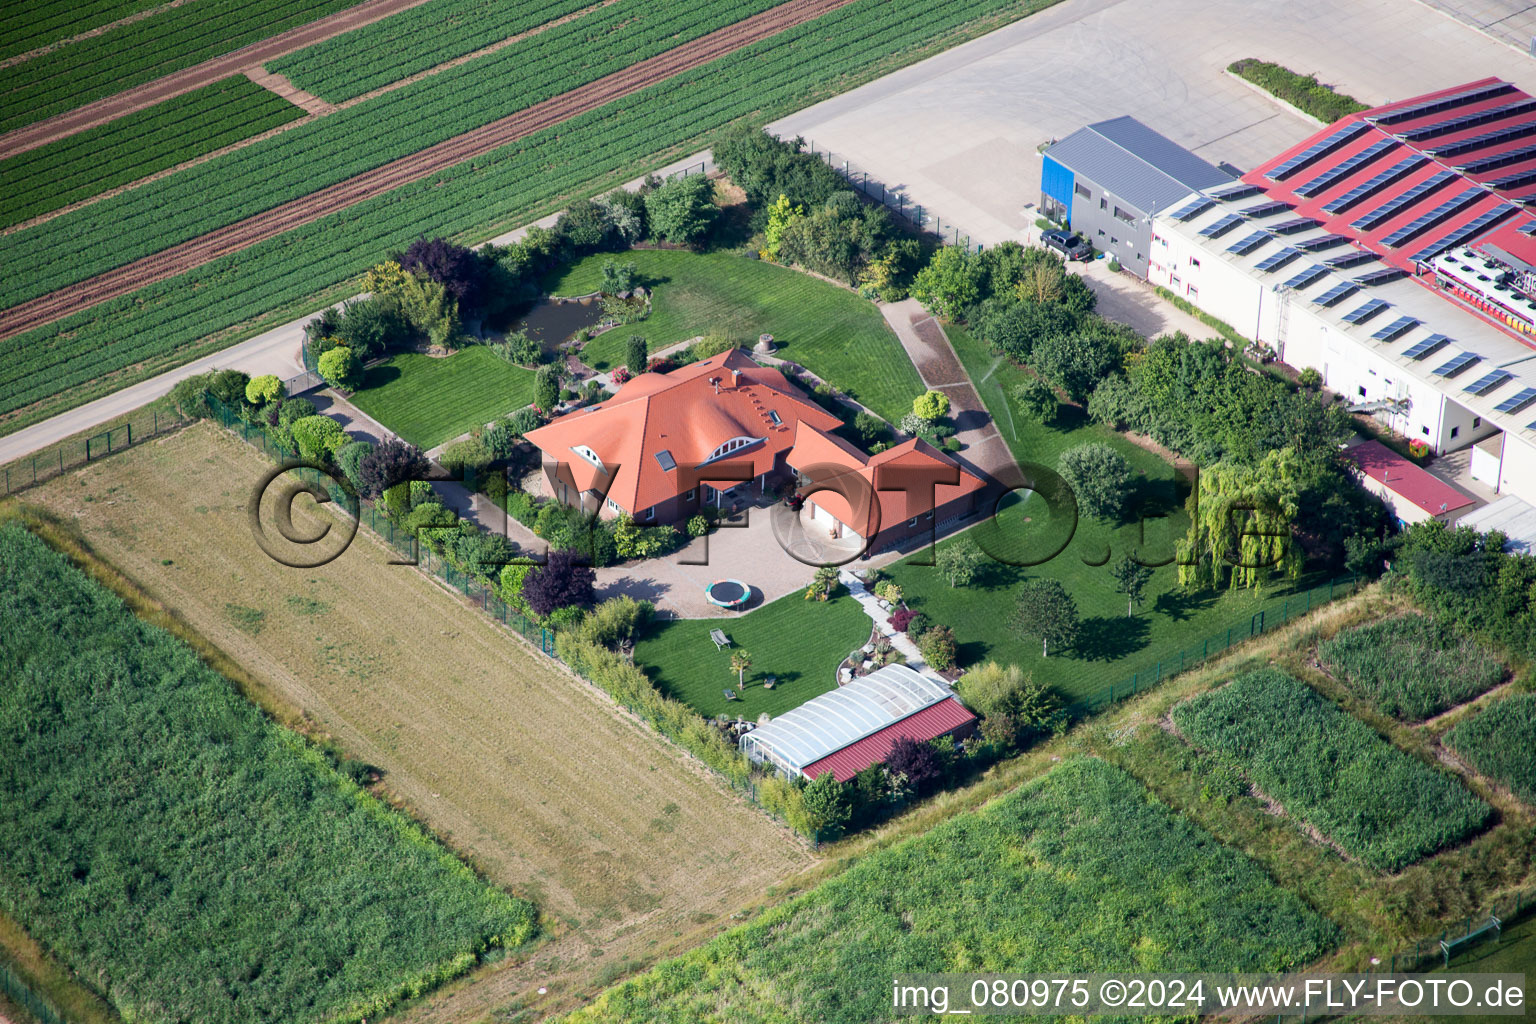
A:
959,132
276,351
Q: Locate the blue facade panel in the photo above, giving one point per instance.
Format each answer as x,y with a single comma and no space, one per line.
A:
1056,181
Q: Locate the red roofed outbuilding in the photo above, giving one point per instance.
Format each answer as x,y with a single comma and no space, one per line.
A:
1412,493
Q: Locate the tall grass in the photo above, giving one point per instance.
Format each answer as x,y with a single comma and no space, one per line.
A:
1501,744
1411,666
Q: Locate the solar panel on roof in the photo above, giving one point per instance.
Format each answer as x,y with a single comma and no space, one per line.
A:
1351,259
1194,208
1468,231
1244,246
1513,181
1396,327
1232,194
1528,229
1276,260
1322,242
1445,211
1336,174
1456,364
1464,121
1398,203
1369,311
1315,152
1497,160
1483,141
1488,382
1451,102
1426,347
1517,402
1363,191
1337,294
1268,209
1307,277
1381,276
1290,227
1221,226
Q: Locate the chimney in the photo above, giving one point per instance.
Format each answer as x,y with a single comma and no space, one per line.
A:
735,378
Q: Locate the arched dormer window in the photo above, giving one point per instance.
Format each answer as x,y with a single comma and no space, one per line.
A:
735,444
589,455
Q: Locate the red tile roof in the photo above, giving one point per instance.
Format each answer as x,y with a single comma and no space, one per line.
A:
686,414
909,480
1403,477
935,720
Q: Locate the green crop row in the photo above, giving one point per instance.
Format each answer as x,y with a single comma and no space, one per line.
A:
1411,666
27,24
1500,743
414,40
101,158
1078,870
312,156
190,858
1331,771
135,336
142,51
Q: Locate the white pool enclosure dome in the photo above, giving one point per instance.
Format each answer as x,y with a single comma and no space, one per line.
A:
826,724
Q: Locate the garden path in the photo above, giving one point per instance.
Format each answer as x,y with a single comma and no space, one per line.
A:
878,616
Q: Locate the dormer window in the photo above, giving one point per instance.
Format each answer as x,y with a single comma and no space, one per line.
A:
590,455
733,445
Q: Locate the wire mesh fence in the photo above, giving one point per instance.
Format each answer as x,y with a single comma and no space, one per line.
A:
895,199
1456,941
20,993
39,467
1272,616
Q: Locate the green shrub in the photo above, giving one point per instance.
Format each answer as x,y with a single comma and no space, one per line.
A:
318,437
1500,743
1412,667
616,622
1304,92
1331,771
340,368
263,389
698,526
193,818
471,453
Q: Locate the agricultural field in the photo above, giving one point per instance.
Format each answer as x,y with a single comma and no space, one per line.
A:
136,145
517,764
129,338
348,65
1080,869
1330,771
348,142
429,400
147,798
827,329
797,641
28,24
142,51
1411,667
1500,742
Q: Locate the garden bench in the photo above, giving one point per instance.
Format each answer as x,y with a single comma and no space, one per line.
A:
730,694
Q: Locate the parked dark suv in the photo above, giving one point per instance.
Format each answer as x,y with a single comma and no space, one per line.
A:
1068,244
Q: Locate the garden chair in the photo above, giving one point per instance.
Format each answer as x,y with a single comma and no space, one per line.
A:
730,694
720,639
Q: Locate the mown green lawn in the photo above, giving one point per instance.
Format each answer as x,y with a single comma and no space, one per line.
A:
830,330
428,401
1112,646
799,641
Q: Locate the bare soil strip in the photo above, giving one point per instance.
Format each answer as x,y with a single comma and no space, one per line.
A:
629,848
198,75
327,109
477,142
279,84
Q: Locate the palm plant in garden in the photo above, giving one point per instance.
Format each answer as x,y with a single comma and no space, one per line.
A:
740,662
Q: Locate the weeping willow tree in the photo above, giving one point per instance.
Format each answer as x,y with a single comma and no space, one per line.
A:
1240,522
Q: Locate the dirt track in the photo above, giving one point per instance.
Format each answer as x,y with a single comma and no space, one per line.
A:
295,213
198,75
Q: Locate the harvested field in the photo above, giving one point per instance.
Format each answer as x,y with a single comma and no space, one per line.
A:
431,160
514,762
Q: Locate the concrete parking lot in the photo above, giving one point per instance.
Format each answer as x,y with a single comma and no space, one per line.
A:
960,132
